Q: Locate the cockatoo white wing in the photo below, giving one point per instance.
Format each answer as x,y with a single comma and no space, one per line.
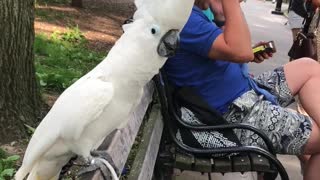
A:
78,106
99,102
85,104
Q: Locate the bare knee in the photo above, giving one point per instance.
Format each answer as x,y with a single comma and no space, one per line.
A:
310,66
300,71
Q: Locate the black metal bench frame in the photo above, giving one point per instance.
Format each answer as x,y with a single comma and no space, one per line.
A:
172,152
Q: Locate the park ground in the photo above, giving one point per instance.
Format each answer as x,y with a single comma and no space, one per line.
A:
70,41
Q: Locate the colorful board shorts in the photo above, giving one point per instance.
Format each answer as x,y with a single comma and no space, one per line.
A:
288,130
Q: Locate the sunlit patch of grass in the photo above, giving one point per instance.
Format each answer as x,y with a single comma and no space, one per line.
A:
62,59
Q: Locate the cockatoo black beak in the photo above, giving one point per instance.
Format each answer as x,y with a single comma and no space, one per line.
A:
169,43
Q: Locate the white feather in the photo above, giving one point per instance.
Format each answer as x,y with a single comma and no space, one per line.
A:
101,101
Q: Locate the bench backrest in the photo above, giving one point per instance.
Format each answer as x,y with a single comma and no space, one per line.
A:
171,102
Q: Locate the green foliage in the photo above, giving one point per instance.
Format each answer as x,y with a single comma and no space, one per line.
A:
73,35
7,165
3,154
30,129
62,59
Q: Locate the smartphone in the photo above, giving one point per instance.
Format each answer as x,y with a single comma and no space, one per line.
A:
268,47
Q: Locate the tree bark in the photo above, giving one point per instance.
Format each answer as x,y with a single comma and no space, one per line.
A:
76,3
19,95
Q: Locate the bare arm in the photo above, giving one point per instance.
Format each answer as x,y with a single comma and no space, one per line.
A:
316,3
235,43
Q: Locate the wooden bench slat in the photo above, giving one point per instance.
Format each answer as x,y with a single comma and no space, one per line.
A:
241,163
145,159
203,165
259,163
222,165
184,162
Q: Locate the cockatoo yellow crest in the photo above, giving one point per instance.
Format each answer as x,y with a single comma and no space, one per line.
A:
100,101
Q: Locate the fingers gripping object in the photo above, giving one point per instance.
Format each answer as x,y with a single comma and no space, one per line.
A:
268,47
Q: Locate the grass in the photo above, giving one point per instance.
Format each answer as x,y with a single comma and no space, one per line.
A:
63,58
7,165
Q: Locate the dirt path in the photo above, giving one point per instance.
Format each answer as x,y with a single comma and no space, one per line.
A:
100,25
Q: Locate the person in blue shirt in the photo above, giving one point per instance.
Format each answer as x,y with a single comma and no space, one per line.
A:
214,63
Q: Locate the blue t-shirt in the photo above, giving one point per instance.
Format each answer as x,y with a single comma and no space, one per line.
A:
218,82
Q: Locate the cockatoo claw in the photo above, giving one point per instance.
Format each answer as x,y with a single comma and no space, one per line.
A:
104,155
102,160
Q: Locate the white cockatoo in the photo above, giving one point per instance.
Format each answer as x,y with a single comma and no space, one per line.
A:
100,101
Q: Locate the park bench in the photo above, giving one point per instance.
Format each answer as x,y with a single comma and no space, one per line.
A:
160,152
174,154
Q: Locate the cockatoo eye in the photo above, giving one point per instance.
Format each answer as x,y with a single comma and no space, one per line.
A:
155,30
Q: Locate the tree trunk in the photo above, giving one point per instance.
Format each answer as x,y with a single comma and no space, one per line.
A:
76,3
19,95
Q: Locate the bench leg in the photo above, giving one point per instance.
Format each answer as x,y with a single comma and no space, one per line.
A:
162,172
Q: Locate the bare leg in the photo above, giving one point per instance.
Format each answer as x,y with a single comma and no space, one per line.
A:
303,77
303,162
312,171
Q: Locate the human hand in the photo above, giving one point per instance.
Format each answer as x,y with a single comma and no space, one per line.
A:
260,57
217,9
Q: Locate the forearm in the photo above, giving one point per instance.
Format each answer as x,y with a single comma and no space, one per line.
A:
236,32
316,3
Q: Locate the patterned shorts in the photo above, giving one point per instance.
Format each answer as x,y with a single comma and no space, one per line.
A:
288,130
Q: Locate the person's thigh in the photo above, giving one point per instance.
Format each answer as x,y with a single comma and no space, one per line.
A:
298,72
288,130
275,82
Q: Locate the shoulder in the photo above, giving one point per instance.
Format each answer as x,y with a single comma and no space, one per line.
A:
198,17
198,23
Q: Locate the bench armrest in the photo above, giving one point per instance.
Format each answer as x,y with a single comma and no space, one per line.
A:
261,134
